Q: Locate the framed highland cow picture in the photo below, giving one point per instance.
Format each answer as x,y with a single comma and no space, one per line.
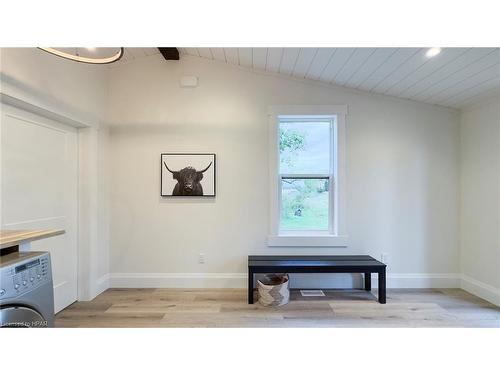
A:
188,175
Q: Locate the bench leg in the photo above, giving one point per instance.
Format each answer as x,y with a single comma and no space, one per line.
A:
250,287
381,287
368,281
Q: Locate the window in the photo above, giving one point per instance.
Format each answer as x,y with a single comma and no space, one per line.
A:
305,174
307,158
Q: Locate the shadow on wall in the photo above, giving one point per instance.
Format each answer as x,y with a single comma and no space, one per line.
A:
41,98
409,210
186,199
189,128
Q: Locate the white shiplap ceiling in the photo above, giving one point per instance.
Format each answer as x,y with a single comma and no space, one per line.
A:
457,77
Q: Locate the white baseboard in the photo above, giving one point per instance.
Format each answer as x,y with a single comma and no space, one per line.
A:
101,285
420,280
178,280
239,280
97,287
481,289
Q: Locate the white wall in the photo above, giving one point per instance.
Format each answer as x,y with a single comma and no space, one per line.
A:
402,170
70,89
54,86
480,200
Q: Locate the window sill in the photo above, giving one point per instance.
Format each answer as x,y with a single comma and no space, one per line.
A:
306,241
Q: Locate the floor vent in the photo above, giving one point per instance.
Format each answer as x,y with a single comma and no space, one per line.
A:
312,293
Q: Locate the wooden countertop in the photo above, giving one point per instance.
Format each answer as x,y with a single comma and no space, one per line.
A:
10,238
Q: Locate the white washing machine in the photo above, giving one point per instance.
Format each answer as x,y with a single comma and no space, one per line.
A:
26,290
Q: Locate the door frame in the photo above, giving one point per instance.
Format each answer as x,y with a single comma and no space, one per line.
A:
89,282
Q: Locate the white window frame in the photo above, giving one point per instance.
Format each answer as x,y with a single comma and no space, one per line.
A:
336,236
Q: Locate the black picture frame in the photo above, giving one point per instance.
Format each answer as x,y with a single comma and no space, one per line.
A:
164,170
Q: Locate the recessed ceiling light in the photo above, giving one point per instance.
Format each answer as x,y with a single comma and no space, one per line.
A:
431,52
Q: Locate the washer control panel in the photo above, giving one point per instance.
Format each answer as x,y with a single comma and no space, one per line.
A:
22,275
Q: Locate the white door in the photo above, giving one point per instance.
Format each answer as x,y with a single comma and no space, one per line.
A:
39,190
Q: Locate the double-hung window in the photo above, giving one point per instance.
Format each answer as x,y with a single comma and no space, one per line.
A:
307,170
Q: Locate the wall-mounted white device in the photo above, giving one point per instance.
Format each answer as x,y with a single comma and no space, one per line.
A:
189,81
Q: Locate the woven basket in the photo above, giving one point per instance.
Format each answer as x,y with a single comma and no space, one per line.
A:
273,290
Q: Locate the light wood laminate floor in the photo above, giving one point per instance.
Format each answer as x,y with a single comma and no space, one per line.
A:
229,308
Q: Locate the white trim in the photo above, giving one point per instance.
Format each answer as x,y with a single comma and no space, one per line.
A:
340,177
97,287
88,244
419,280
480,289
101,285
37,123
40,111
178,280
338,230
306,241
239,280
307,110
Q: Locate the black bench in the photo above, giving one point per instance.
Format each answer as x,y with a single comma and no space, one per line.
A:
318,264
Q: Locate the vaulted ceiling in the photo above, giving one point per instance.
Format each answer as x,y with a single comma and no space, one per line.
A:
456,77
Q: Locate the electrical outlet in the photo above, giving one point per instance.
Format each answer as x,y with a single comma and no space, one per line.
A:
201,258
384,257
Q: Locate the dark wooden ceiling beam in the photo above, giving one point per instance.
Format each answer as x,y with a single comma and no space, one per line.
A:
169,53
